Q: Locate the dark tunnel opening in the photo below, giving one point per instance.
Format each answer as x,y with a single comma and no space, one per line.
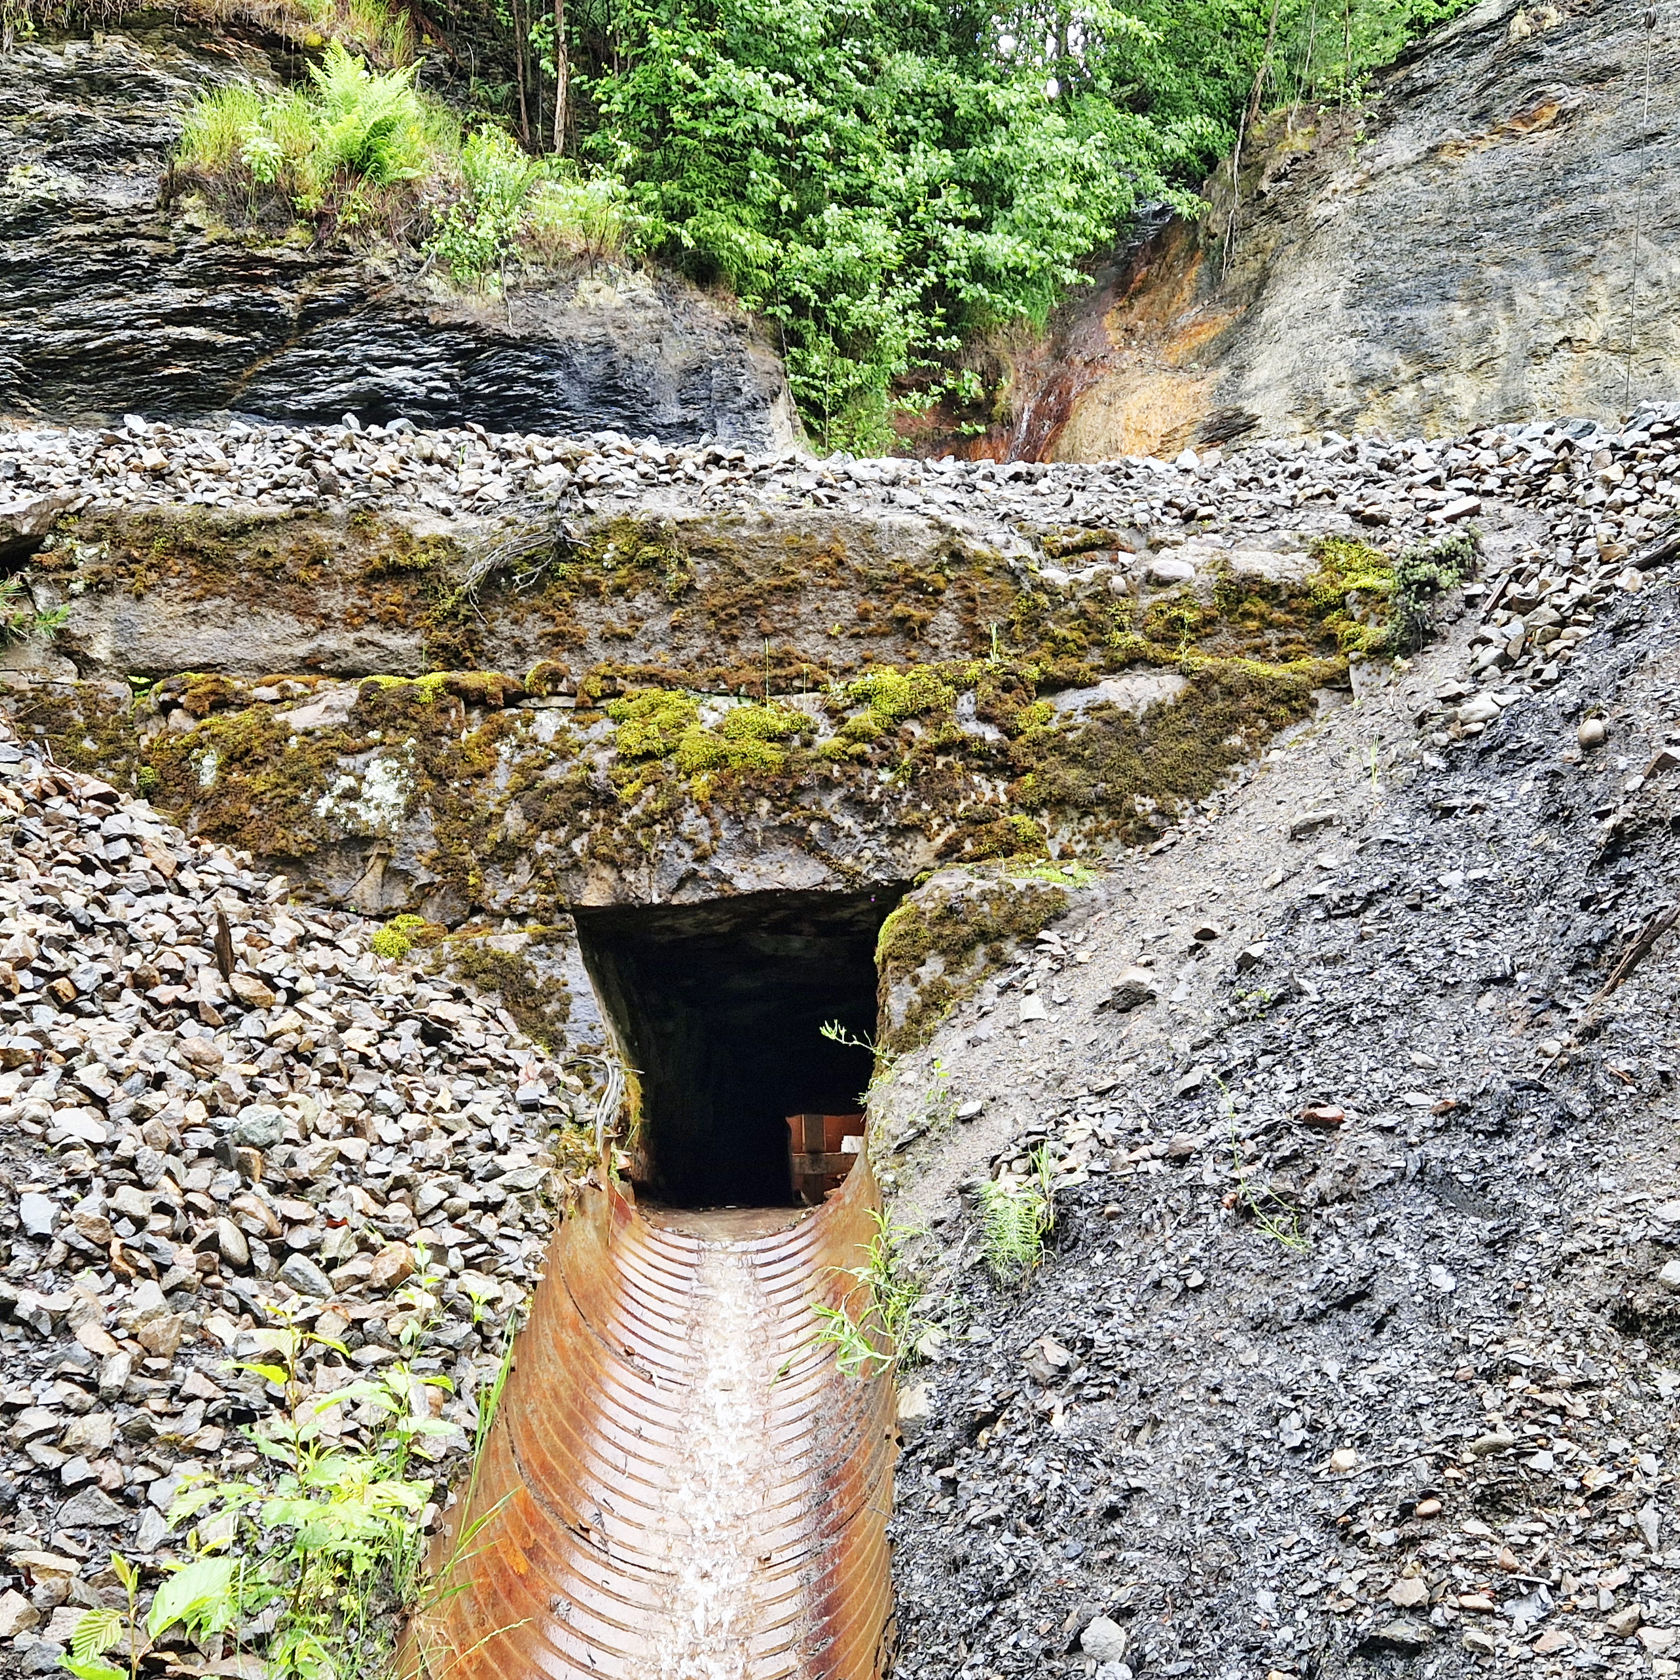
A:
721,1007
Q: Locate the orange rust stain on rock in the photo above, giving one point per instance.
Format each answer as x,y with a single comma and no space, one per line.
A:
1145,393
1539,117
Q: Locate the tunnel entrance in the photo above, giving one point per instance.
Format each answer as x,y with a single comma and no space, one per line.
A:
721,1006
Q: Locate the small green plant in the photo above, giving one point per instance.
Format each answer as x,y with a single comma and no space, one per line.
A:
939,1101
1016,1215
878,1324
1273,1217
1421,576
886,1061
192,1596
19,621
478,234
328,1546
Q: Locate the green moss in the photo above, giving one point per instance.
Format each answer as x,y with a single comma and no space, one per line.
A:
541,1005
1351,593
399,936
896,695
652,725
764,723
1080,539
88,730
967,925
546,677
202,695
1134,773
249,782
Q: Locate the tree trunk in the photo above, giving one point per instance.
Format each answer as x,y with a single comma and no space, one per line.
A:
520,48
562,76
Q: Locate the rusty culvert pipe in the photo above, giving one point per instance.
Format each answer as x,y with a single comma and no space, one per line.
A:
679,1483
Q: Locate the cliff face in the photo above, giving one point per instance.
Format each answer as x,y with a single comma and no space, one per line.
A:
110,302
1499,240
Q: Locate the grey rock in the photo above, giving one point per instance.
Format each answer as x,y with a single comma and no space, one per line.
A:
1403,1633
37,1214
201,325
1134,988
1104,1640
259,1126
305,1276
91,1509
1169,570
231,1244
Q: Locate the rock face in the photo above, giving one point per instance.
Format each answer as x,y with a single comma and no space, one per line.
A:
1479,253
112,303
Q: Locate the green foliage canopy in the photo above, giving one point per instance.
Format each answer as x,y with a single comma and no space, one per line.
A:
881,178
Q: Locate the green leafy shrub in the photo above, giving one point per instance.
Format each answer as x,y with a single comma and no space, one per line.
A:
325,1549
479,233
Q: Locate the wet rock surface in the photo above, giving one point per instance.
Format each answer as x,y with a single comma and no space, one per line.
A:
113,299
1353,1349
190,1157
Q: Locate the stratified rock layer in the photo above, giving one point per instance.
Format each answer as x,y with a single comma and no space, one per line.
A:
1495,239
112,301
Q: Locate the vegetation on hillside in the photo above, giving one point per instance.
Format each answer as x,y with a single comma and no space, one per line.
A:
877,181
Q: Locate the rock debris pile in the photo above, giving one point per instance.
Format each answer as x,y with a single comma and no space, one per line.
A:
185,1152
1356,1343
1613,485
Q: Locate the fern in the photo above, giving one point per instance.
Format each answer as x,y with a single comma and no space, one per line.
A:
369,126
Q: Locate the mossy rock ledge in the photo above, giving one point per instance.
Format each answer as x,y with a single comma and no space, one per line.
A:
475,724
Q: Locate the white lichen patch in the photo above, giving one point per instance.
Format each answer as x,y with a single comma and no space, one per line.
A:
374,802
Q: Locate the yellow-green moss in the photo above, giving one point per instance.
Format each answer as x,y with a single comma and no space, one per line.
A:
1351,593
896,695
399,935
651,725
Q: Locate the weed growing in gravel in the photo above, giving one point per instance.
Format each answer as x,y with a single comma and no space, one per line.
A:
1016,1215
878,1324
1273,1217
1421,576
324,1550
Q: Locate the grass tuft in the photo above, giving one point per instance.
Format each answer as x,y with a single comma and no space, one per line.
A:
1016,1215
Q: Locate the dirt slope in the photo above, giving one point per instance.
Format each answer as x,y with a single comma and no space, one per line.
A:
1354,1343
